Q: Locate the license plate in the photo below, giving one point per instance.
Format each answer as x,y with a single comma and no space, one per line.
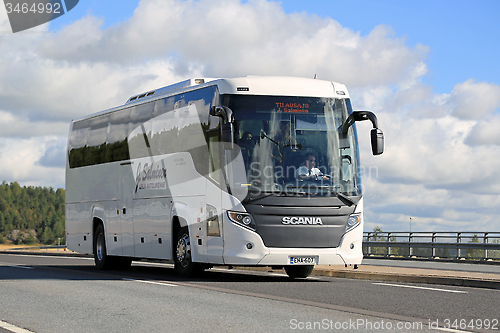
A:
302,261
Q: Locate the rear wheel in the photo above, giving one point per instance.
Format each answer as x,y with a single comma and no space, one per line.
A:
182,256
299,272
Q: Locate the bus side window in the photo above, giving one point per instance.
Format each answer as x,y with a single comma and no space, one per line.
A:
116,142
96,142
78,144
140,130
164,127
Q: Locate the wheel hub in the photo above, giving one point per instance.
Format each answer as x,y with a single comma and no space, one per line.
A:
183,250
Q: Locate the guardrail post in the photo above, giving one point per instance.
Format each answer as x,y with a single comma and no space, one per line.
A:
388,246
410,247
369,248
485,241
433,241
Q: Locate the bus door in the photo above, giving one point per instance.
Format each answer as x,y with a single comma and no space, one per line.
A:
122,174
213,208
125,208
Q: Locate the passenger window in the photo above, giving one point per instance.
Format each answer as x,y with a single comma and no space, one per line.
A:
97,140
117,146
78,143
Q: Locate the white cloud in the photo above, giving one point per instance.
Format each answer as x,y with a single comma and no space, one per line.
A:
252,38
438,168
485,132
20,126
473,100
20,158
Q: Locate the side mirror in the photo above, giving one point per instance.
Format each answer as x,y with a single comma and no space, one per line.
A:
222,112
377,141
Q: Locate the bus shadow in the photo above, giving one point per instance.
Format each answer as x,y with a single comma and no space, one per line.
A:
155,272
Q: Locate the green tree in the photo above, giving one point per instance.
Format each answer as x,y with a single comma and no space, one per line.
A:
31,210
474,253
377,236
47,236
2,223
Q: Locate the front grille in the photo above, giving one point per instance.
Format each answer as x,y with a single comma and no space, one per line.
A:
268,215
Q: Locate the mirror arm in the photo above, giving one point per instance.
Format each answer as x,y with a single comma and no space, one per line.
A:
377,137
359,116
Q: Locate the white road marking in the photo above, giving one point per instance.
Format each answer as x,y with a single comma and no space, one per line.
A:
13,328
450,330
20,266
417,287
152,282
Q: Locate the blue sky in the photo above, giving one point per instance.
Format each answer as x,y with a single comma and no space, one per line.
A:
428,69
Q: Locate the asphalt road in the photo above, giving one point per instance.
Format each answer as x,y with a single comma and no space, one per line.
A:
61,294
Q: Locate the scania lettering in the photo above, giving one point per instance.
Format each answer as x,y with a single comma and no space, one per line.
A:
249,171
301,220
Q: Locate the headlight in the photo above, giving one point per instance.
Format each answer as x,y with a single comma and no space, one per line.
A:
243,219
353,221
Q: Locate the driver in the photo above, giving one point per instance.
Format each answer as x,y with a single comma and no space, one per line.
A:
308,170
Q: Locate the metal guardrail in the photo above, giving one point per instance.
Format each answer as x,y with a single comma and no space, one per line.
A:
42,247
433,245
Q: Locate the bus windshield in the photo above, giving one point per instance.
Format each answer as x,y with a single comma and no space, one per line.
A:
295,146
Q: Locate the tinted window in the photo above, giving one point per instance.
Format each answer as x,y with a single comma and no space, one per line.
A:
117,147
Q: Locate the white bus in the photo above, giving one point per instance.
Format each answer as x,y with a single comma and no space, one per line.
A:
251,171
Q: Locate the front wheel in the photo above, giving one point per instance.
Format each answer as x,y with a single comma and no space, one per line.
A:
299,272
101,258
182,256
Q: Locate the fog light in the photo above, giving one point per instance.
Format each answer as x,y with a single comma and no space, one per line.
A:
249,246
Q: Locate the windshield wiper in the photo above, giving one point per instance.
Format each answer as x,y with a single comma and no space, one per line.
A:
339,195
344,198
265,195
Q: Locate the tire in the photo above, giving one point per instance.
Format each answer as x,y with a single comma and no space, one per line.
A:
101,258
299,272
184,264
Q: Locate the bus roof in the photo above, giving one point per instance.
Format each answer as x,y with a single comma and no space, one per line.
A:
249,85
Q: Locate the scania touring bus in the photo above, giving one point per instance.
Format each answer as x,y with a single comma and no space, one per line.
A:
250,171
